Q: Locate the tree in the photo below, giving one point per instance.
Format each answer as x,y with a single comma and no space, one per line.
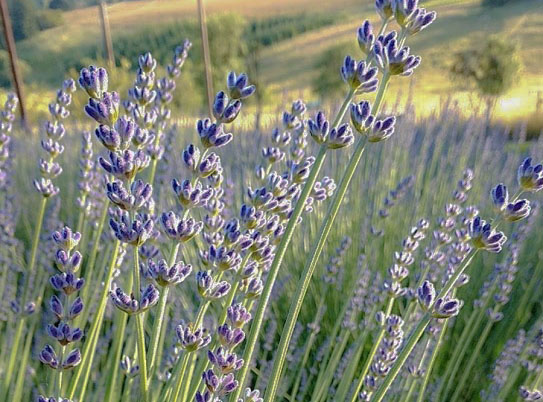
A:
493,68
328,82
24,18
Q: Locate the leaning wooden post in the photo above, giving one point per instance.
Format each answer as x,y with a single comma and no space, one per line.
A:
108,43
12,53
207,59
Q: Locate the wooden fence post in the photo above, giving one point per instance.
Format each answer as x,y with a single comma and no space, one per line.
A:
12,53
108,43
207,59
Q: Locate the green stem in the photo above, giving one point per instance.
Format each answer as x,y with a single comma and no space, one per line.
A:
426,378
464,342
140,332
92,340
35,243
157,325
182,369
280,253
12,358
17,395
410,391
417,333
59,372
467,370
311,262
373,351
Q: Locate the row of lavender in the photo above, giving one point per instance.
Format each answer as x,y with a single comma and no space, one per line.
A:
167,320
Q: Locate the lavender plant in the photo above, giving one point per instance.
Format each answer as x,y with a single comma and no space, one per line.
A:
192,290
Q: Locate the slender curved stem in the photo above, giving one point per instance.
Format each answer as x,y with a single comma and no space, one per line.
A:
92,340
140,332
157,325
373,351
417,333
280,253
35,243
428,372
311,262
473,357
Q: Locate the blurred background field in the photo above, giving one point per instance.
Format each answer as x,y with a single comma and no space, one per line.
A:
281,44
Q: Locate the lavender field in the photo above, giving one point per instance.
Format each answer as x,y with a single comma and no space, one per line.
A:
345,242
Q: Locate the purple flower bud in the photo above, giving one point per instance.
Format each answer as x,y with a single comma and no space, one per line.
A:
238,315
446,308
365,37
72,360
139,194
298,108
181,230
192,339
500,197
66,239
125,165
105,110
146,62
129,304
381,129
238,87
168,276
56,307
360,113
212,134
420,19
426,294
94,81
340,137
518,210
134,232
484,237
530,177
49,357
76,308
358,75
190,195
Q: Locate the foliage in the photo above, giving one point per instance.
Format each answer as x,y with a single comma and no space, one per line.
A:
269,31
493,68
327,82
24,18
5,70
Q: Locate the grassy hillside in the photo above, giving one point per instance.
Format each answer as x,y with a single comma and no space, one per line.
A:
290,65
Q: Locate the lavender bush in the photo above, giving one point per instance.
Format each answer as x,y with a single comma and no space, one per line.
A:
194,270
